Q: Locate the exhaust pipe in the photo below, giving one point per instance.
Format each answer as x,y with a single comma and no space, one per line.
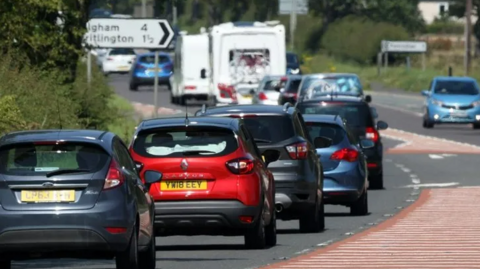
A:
278,207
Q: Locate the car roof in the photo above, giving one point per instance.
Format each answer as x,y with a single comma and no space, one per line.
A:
332,119
247,109
446,78
101,138
334,98
281,76
222,122
153,54
322,75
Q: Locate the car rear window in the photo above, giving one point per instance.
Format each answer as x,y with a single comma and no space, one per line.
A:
43,157
150,59
292,58
293,85
185,141
274,84
319,86
332,131
122,52
355,114
270,129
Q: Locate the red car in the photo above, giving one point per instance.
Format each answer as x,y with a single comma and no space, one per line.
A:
215,182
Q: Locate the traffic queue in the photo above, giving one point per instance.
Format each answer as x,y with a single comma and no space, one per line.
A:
228,170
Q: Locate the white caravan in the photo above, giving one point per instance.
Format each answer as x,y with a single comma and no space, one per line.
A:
190,79
241,55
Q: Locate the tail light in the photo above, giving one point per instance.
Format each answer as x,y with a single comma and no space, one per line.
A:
109,59
283,79
262,96
168,67
349,155
372,134
190,87
116,230
298,151
141,67
114,177
227,91
241,166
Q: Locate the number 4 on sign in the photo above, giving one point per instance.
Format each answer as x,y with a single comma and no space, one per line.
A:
144,27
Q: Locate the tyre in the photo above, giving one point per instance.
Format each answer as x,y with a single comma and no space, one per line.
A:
271,231
255,238
182,100
476,126
376,182
311,221
172,98
360,207
128,259
148,259
133,87
6,264
427,123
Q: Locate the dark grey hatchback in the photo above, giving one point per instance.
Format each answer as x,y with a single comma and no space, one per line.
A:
74,194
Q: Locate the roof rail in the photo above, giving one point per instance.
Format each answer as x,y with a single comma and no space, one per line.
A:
286,106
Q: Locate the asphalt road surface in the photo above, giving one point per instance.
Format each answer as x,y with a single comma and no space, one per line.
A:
205,252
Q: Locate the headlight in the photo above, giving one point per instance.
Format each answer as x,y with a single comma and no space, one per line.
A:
294,71
476,103
436,102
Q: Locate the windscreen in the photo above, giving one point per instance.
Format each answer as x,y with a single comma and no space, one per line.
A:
270,129
186,141
122,52
343,84
292,59
292,87
319,129
356,115
150,59
38,159
456,87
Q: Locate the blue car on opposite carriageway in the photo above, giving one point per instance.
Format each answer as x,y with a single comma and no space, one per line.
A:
143,70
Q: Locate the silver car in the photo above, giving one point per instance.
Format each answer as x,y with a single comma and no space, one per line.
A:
269,90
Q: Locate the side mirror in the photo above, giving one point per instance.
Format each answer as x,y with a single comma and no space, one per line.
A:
425,93
151,177
381,125
322,142
368,99
270,156
367,143
203,73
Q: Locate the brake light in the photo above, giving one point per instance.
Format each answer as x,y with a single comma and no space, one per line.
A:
116,230
349,155
298,151
372,134
139,66
283,79
190,87
109,59
262,96
240,166
114,177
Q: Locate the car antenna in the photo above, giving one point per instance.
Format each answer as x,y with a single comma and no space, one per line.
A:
204,109
187,121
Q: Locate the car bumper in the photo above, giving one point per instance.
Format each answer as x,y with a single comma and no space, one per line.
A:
50,231
344,184
146,81
214,217
374,158
294,193
116,68
439,114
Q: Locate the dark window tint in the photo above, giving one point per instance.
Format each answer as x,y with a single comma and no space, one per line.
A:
292,58
293,85
274,84
456,87
32,159
334,132
186,141
123,156
150,59
122,52
270,129
355,115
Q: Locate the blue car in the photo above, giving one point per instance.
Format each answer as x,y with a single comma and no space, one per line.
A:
143,70
293,64
344,164
452,100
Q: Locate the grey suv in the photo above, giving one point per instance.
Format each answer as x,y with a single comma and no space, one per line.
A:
74,194
297,170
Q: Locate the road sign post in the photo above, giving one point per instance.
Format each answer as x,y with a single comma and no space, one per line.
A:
293,8
131,33
403,47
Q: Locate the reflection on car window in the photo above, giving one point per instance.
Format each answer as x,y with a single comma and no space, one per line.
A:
150,59
456,87
354,115
318,86
334,132
274,84
270,128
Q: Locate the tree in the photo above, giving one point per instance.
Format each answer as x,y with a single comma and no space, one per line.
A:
457,9
398,12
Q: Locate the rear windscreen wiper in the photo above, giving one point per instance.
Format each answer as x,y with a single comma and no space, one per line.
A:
66,171
258,140
196,152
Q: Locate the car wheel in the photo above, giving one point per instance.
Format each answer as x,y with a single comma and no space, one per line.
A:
128,259
182,100
376,182
321,216
476,126
310,220
133,87
6,264
427,124
148,259
360,207
255,237
271,231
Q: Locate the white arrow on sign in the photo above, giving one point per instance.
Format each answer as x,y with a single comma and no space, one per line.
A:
128,33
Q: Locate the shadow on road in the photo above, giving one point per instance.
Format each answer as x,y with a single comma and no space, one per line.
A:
200,247
197,259
344,215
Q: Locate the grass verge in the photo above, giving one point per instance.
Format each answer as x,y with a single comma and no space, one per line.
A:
124,125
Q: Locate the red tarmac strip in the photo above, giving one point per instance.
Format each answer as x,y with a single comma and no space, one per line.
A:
440,230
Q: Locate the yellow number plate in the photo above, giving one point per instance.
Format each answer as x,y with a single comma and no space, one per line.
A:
183,185
124,68
153,70
56,196
247,96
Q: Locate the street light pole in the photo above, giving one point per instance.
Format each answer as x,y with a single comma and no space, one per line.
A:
144,8
468,36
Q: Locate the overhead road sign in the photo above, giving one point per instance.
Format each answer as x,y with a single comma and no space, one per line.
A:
404,46
285,7
128,33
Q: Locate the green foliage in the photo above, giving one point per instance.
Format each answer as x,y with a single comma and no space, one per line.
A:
358,39
404,13
12,118
445,27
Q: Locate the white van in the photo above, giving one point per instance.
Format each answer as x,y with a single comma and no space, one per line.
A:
191,74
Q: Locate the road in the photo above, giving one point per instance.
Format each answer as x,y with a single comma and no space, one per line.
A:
401,172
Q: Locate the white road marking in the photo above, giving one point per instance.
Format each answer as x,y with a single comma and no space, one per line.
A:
433,185
418,114
435,156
